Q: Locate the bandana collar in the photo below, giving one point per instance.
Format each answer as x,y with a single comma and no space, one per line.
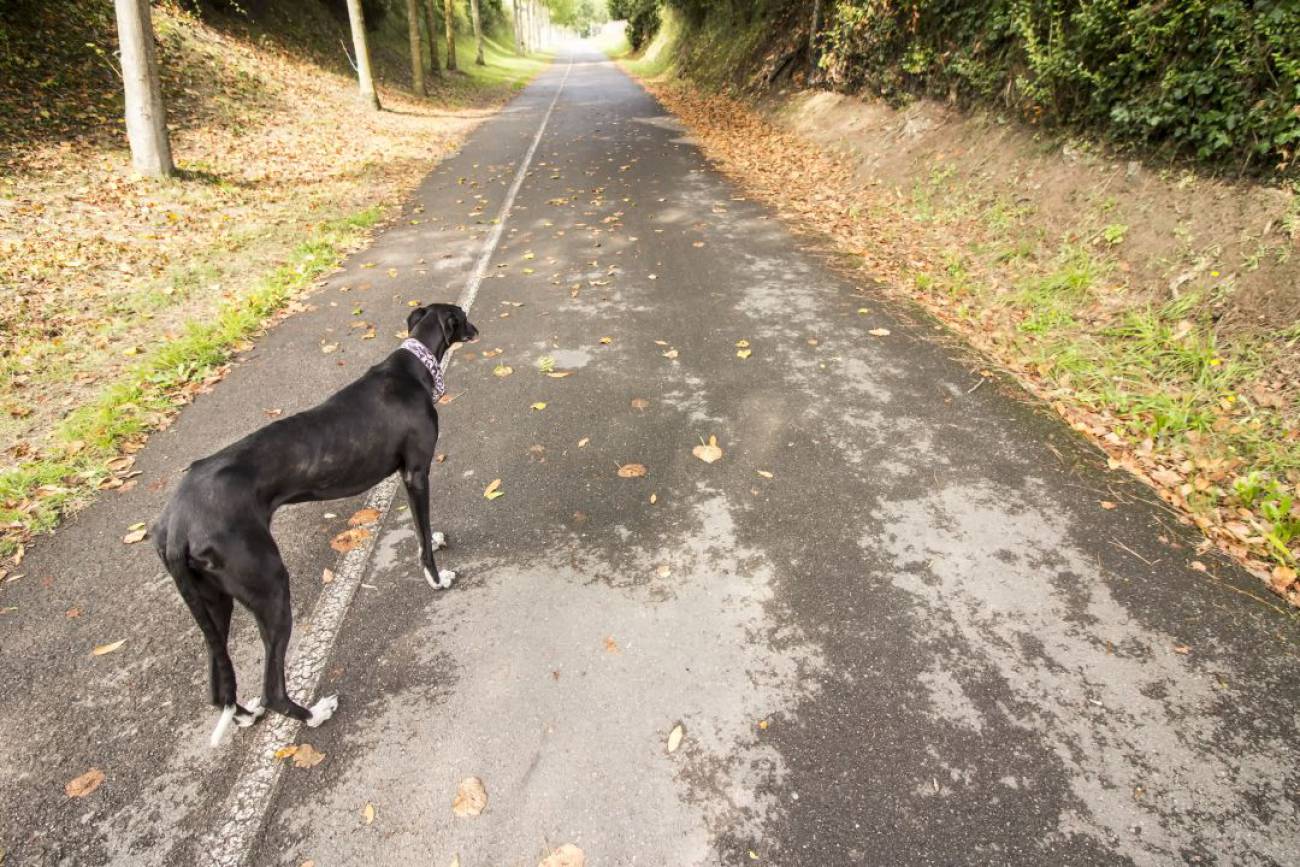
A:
420,351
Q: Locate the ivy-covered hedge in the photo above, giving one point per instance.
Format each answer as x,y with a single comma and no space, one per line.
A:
1215,80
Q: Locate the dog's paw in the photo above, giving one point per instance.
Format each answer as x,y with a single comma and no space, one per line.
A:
322,710
254,711
443,581
439,541
223,723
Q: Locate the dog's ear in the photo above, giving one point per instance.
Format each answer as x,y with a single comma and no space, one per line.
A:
414,319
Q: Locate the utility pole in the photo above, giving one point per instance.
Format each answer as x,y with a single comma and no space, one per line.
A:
146,117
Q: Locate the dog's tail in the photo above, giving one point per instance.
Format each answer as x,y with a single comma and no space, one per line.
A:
173,548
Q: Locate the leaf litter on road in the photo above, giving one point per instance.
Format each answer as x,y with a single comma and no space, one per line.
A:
493,490
708,452
471,797
80,787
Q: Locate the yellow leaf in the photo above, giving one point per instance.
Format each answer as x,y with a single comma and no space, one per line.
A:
765,474
672,353
708,452
285,752
744,353
107,648
742,344
582,443
632,471
606,340
503,370
675,738
560,374
539,405
135,536
368,813
879,332
493,490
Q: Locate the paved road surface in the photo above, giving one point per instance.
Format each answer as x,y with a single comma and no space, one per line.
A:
893,621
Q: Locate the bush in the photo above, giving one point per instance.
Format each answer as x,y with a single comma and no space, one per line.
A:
642,17
1216,80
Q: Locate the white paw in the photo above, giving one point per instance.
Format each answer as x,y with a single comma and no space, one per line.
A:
322,710
443,581
439,541
255,712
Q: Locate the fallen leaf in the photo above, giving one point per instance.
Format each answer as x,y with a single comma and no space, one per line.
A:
1198,566
107,648
471,797
567,855
493,490
582,443
675,738
327,348
744,353
654,498
606,340
879,332
762,724
742,344
539,405
560,374
327,576
135,536
1282,578
765,474
1108,505
1167,477
708,452
502,370
672,353
611,646
307,756
363,516
632,471
83,785
439,458
349,539
640,403
285,752
1182,648
664,570
368,813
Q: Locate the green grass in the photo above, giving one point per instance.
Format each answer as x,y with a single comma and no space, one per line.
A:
35,494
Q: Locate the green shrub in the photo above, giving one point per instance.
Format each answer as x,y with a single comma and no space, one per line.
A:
1213,80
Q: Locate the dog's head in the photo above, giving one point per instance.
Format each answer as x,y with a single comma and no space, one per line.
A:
438,326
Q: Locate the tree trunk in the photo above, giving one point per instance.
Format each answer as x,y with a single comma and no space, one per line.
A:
417,56
365,81
146,118
449,8
812,36
478,33
431,35
519,29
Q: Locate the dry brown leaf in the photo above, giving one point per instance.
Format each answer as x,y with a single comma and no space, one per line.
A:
567,855
349,539
632,471
471,797
1108,505
640,403
307,756
611,646
107,648
83,785
708,452
363,516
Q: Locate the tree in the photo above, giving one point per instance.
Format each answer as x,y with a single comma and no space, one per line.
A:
413,37
146,117
365,81
478,33
518,26
812,36
431,35
449,11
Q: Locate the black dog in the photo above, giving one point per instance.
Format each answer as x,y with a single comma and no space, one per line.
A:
215,533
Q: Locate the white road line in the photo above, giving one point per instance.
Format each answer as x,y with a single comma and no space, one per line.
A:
245,808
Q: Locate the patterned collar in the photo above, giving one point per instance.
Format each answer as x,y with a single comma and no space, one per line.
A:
420,351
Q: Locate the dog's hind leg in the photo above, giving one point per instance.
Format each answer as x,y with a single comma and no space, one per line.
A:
416,482
220,606
275,621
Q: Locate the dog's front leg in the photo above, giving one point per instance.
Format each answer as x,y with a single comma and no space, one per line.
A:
417,492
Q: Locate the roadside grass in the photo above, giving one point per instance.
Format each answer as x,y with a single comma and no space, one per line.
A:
35,494
1210,419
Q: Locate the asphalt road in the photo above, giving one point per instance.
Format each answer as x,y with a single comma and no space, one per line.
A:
893,621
